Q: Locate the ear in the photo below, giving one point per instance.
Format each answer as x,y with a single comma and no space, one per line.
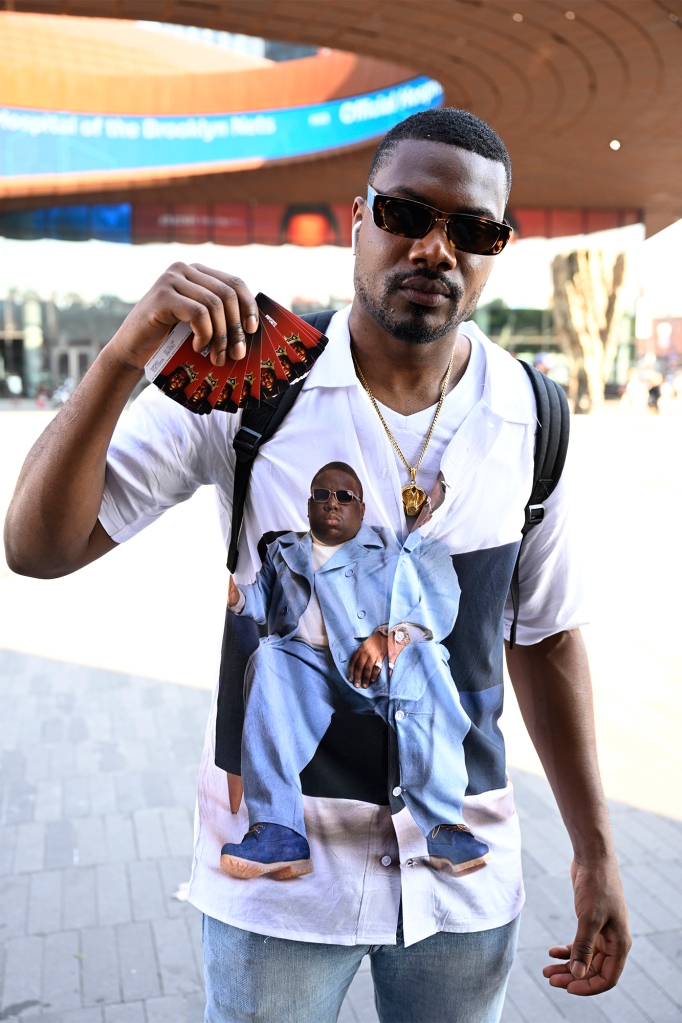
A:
358,212
362,509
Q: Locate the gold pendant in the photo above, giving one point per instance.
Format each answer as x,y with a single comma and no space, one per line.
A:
413,498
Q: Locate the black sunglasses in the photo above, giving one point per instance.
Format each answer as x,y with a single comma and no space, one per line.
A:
342,496
411,219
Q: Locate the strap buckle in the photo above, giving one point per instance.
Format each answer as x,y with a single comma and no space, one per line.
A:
247,444
535,513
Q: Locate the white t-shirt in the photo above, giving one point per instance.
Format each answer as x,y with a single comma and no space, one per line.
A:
410,432
311,628
370,860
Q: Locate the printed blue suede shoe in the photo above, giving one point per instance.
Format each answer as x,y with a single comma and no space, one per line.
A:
267,849
454,849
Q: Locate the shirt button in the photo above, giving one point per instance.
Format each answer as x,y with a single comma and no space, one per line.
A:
399,715
386,861
385,473
409,863
397,791
361,614
349,572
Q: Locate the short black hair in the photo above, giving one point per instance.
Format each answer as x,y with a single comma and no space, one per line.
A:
342,467
445,124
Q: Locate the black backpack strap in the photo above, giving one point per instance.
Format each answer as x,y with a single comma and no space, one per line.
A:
551,445
259,425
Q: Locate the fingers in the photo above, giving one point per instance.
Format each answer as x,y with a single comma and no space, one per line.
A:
582,947
241,311
365,668
223,309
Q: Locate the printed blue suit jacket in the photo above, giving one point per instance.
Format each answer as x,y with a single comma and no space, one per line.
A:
371,581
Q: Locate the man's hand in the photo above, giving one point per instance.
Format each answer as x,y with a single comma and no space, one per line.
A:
365,664
552,683
232,593
219,308
597,955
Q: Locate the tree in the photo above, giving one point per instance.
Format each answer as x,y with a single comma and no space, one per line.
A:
587,317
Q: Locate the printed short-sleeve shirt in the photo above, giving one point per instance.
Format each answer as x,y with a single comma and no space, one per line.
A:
367,851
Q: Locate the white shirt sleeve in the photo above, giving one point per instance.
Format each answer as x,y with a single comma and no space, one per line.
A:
551,584
159,455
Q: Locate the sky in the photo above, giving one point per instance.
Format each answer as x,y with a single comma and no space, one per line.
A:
521,274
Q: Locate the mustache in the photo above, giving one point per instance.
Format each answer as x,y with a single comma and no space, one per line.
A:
395,281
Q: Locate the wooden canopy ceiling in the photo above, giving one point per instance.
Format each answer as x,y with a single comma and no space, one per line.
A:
558,80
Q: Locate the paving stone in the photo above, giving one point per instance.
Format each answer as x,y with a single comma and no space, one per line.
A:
128,1012
102,794
14,905
660,916
537,1007
29,854
76,797
360,997
90,1015
99,966
19,803
670,944
510,1014
148,902
150,834
118,837
157,791
45,902
48,800
8,841
648,996
79,905
91,841
178,972
61,973
619,1008
112,894
23,971
139,972
166,1010
178,828
652,961
60,844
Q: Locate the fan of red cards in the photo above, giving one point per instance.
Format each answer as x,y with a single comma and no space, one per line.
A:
283,349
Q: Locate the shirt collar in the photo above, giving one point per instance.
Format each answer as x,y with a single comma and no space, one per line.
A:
506,389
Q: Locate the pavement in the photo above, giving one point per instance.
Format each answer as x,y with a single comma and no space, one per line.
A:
102,722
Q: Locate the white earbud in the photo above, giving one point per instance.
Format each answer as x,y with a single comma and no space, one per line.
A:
354,236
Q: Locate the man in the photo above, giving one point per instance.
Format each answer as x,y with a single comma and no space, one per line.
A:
441,949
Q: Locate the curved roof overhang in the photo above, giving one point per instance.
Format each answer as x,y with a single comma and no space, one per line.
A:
559,80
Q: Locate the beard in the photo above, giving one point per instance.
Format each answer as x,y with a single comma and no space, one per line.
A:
414,328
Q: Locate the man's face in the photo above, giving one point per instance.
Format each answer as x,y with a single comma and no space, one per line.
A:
420,289
225,394
267,380
331,522
201,392
286,366
300,350
178,380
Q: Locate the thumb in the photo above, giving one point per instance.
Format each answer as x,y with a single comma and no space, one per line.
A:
582,948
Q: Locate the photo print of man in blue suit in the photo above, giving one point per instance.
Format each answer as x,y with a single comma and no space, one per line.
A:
352,615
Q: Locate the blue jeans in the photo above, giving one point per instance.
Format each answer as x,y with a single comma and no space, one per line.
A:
292,690
446,978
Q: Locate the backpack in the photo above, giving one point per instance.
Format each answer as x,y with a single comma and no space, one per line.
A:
551,444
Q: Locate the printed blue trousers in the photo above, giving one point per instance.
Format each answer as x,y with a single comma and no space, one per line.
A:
291,692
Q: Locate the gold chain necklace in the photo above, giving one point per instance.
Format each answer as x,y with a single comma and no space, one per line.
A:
413,496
